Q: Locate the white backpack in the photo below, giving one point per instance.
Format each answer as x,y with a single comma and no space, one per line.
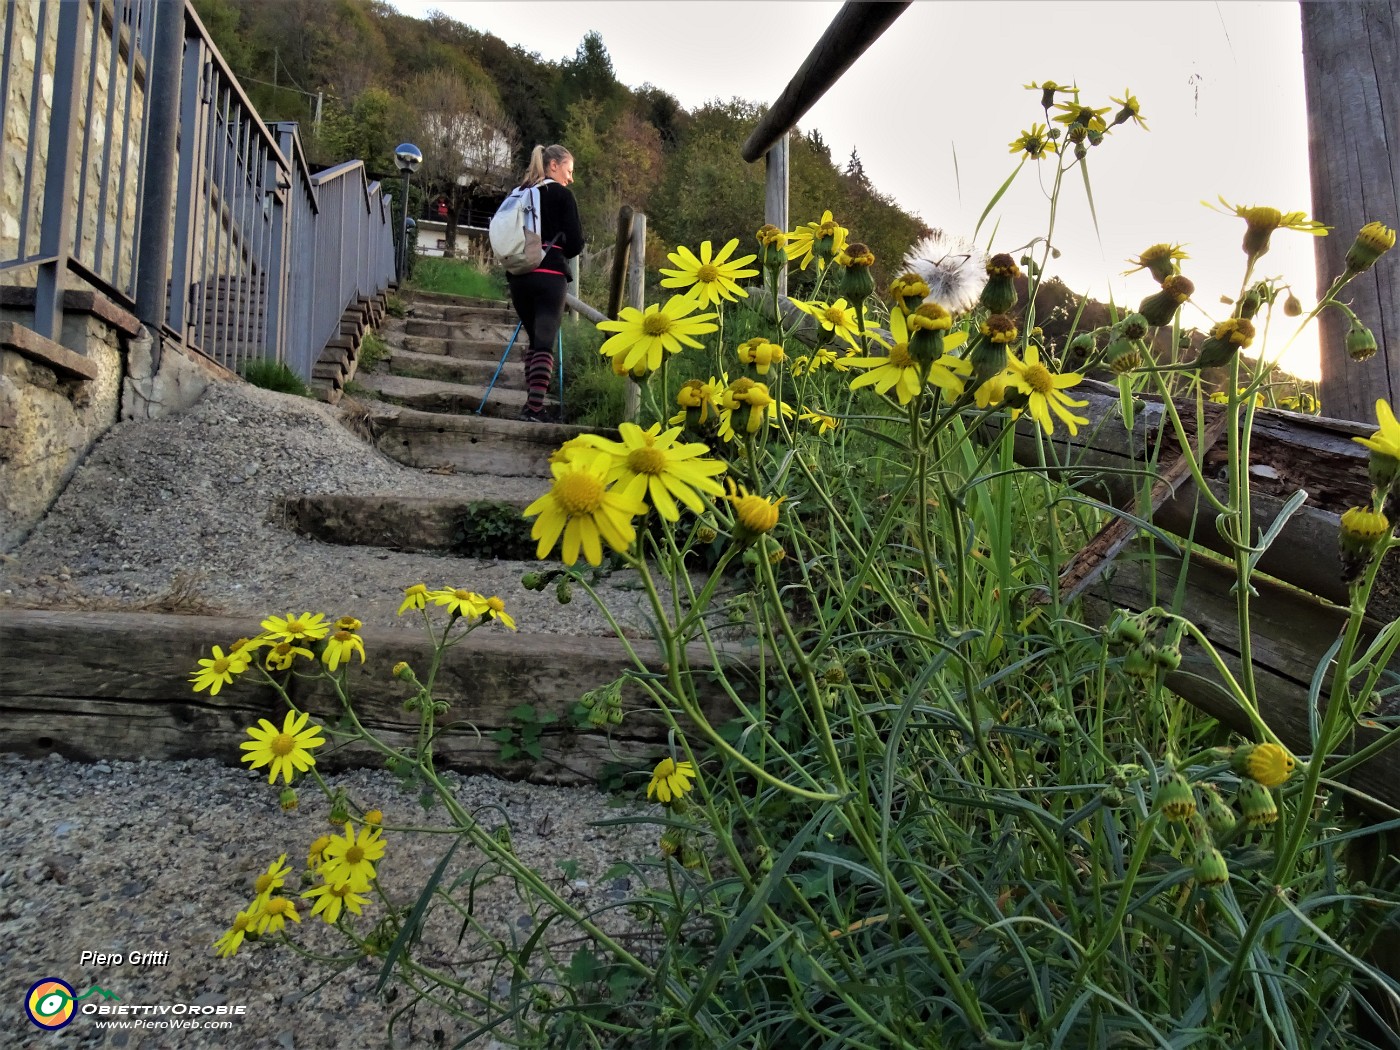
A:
515,230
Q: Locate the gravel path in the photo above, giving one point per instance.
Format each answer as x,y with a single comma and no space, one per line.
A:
184,515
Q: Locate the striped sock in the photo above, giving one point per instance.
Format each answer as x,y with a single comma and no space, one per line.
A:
539,370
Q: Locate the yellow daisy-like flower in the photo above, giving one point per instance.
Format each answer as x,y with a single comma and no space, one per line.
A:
248,647
350,857
1047,91
698,400
1269,764
824,423
585,511
819,241
709,279
753,514
332,898
272,879
317,854
670,780
243,923
340,646
574,448
348,623
1085,116
304,628
275,914
282,655
1129,111
460,602
1159,259
753,402
286,751
496,609
898,370
838,317
672,470
760,354
1262,221
642,337
414,597
1386,440
1044,390
213,674
1034,143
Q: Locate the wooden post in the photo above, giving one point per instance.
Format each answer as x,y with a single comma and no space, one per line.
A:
636,295
775,199
619,264
1351,70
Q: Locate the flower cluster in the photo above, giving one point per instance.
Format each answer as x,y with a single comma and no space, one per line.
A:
284,640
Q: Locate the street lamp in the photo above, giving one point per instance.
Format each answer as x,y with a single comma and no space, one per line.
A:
408,157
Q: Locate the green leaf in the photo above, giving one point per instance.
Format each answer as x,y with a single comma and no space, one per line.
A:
410,928
997,196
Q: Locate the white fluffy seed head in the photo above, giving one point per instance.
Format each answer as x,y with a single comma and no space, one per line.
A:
954,269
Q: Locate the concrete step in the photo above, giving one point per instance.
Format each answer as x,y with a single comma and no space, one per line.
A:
470,444
456,369
414,297
480,310
436,395
487,349
494,327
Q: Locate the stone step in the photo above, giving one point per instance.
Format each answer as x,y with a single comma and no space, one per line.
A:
437,299
436,395
125,693
470,444
457,370
423,523
473,328
494,313
484,349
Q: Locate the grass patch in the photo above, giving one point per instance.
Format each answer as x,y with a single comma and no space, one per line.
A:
593,395
455,277
395,306
274,375
373,349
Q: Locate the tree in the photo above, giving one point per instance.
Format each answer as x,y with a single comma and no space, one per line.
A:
1351,70
466,140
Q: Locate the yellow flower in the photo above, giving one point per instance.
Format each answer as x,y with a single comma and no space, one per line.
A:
331,898
1160,259
459,602
581,508
709,279
1262,221
819,241
1269,764
672,470
496,609
1044,390
903,373
837,317
824,423
1130,110
348,623
340,646
1386,440
1085,116
414,597
699,401
643,336
215,673
349,859
1373,241
286,751
754,515
243,923
1035,143
282,655
305,627
760,354
1047,91
272,879
909,286
746,393
670,780
574,448
317,854
275,914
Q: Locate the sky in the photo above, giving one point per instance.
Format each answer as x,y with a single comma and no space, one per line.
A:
932,106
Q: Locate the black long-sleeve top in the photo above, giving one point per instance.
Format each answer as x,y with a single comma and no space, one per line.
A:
559,222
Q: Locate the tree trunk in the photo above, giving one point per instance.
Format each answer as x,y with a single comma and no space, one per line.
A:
1351,70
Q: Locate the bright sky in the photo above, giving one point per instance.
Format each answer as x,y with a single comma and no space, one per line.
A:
1220,85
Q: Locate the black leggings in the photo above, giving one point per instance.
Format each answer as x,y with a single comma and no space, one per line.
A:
539,300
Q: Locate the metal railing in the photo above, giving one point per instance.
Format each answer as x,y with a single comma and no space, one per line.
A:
133,160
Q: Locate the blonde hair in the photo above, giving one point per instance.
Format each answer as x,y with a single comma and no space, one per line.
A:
540,158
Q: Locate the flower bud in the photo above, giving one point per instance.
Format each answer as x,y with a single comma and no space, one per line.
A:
999,293
705,530
1373,241
374,817
532,581
1160,307
1292,306
1220,818
1175,799
910,289
1360,342
1257,804
1209,867
340,809
1362,531
1122,356
1167,657
927,327
1225,340
1268,763
287,799
563,591
1138,661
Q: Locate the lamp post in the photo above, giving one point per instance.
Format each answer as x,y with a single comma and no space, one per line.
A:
407,157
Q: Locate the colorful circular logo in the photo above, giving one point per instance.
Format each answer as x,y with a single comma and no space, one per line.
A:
49,1003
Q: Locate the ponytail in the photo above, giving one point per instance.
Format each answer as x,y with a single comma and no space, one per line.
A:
541,156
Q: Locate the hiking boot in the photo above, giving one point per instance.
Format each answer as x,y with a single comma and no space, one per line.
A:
534,415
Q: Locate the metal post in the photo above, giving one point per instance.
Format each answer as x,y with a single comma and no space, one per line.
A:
403,232
163,96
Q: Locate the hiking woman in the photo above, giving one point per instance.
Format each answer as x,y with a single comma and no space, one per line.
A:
539,295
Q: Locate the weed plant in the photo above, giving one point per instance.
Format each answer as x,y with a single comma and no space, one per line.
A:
925,799
274,375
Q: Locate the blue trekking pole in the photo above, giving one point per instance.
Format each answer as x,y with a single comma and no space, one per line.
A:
482,407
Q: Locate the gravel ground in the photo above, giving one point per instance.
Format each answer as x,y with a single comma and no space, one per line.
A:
122,857
184,515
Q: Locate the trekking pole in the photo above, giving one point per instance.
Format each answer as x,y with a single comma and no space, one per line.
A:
482,407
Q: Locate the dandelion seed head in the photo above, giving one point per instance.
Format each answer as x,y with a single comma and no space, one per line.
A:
953,267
